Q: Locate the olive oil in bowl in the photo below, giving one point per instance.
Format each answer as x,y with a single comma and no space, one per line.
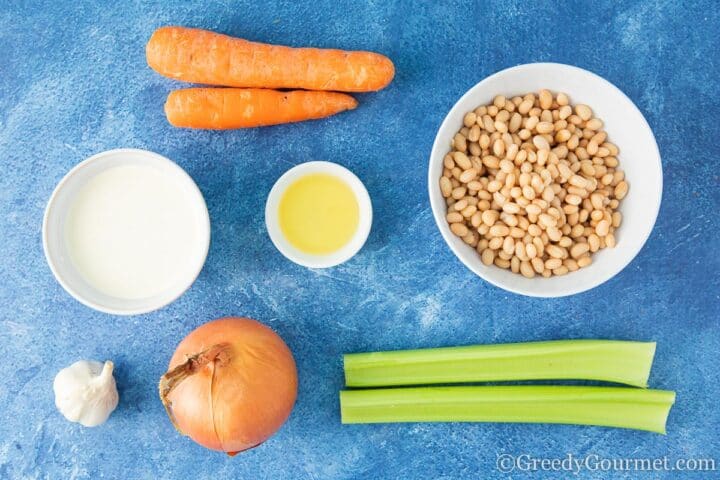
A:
318,214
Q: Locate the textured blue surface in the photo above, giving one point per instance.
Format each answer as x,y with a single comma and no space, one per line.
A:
73,82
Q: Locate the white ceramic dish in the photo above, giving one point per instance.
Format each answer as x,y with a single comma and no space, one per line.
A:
639,158
53,232
306,259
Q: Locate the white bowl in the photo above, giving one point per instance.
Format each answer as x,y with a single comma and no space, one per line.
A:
639,158
306,259
56,251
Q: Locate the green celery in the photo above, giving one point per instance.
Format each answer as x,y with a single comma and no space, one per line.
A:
606,360
605,406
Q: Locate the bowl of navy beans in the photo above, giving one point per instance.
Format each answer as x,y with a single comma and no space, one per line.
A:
545,180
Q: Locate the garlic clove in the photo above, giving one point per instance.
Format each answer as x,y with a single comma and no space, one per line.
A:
85,392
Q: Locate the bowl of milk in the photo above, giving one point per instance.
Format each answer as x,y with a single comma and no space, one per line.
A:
126,231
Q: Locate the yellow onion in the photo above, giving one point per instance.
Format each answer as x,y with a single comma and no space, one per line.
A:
230,385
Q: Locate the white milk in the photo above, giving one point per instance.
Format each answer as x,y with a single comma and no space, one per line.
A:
131,232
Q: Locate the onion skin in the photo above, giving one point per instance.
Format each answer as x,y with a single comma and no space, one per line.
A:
240,392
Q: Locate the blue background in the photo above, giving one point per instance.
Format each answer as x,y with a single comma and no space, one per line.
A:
74,82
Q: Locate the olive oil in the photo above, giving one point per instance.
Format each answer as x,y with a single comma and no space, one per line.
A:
318,214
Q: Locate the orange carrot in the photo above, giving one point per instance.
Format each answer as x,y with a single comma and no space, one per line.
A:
200,56
225,108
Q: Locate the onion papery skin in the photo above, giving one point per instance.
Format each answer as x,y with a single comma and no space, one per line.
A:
243,394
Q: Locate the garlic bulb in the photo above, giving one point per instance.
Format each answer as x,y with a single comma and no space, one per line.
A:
85,392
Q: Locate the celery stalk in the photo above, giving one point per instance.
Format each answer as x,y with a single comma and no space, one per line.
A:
605,406
606,360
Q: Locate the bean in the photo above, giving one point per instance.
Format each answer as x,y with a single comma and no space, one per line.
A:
571,264
515,122
527,270
471,238
474,134
495,243
579,249
573,199
502,263
545,98
583,111
469,119
531,122
562,135
610,240
509,220
529,192
499,230
578,181
512,151
539,245
553,234
594,124
602,228
445,186
488,256
561,270
489,217
460,142
469,211
555,251
621,189
475,186
468,175
515,264
545,127
546,220
459,229
508,245
462,160
460,204
525,106
511,207
534,231
488,123
592,148
548,194
491,162
571,210
537,264
459,192
553,263
454,217
541,143
584,261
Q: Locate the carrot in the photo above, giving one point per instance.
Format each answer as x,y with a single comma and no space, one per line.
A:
200,56
225,108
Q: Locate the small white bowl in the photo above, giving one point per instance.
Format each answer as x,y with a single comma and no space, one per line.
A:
53,231
639,158
306,259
